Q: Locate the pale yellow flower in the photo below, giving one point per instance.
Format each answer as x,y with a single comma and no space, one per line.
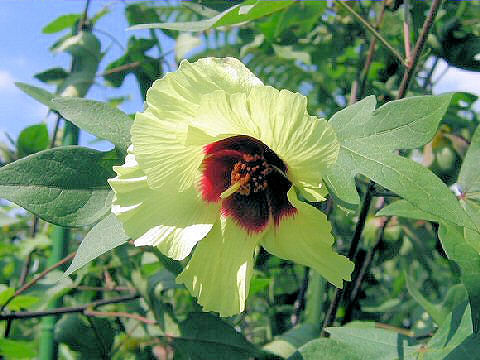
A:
219,161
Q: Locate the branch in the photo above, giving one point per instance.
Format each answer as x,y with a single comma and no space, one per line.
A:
67,310
332,311
358,280
373,32
371,52
96,288
406,32
119,314
299,303
408,75
362,217
37,278
428,79
117,69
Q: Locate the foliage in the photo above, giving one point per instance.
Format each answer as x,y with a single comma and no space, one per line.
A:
403,194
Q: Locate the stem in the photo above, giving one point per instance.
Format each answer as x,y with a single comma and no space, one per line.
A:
362,217
428,80
406,31
67,310
96,288
373,32
332,311
37,278
331,314
119,314
299,303
26,266
408,75
357,282
370,54
117,69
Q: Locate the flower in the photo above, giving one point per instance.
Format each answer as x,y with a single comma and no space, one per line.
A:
221,162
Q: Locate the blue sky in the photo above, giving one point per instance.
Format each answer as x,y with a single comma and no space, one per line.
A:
24,52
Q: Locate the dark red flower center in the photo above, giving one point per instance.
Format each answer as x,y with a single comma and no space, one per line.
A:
249,179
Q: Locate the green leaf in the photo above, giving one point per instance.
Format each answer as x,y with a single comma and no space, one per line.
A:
288,52
61,23
437,313
149,71
469,179
454,339
204,336
405,209
66,186
460,244
258,284
22,302
376,343
17,349
52,76
42,96
328,349
93,342
98,118
287,343
32,139
104,236
368,139
400,124
455,242
85,50
6,294
469,176
100,14
246,11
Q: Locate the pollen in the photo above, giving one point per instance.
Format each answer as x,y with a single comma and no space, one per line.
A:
251,172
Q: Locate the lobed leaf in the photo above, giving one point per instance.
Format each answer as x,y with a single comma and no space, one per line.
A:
368,139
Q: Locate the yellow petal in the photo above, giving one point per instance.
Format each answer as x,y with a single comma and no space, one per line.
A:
174,221
279,119
221,267
159,133
306,239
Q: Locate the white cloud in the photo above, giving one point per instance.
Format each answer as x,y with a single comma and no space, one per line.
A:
7,82
456,79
